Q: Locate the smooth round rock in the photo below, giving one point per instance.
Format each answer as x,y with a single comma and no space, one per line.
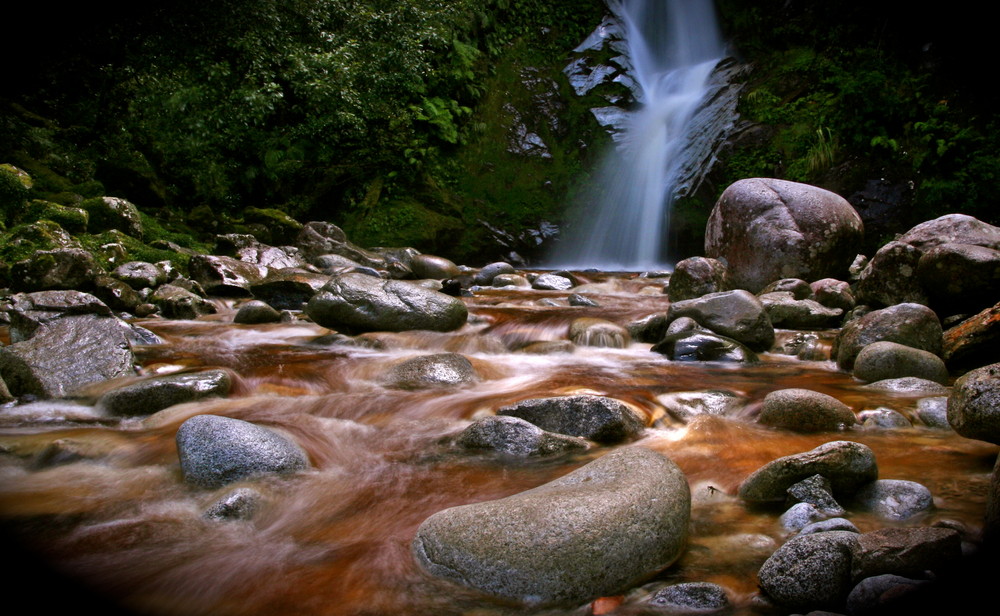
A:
598,418
890,360
215,451
811,571
804,410
597,531
846,464
974,404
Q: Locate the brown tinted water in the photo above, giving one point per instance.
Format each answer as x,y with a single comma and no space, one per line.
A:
101,499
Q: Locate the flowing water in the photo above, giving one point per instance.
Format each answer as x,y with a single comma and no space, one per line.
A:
101,499
673,48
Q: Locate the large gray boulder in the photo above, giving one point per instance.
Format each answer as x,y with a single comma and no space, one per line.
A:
51,331
914,325
767,229
516,437
356,303
738,314
890,360
597,418
811,572
974,404
696,276
595,532
215,451
804,410
149,395
846,464
434,370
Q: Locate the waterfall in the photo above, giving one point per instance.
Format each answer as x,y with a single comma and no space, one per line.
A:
671,48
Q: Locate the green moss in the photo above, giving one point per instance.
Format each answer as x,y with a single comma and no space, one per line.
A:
15,187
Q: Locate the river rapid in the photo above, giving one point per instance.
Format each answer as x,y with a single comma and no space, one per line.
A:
101,503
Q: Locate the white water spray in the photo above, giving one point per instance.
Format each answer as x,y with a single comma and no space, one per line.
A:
673,46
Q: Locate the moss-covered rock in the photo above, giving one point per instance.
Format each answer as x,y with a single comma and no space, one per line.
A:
15,187
114,213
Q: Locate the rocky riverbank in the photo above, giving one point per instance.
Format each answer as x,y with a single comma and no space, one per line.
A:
89,345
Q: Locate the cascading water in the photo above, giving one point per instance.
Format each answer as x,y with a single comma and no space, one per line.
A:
672,48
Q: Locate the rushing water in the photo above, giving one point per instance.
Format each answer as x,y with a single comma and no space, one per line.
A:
673,47
102,501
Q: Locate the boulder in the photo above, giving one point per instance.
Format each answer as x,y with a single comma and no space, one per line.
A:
215,451
811,571
140,274
804,410
881,594
798,288
739,315
695,345
516,437
595,532
225,276
692,597
696,276
834,293
960,278
784,311
106,213
355,303
256,311
552,282
847,465
61,268
913,325
597,418
952,229
906,551
686,405
427,371
974,404
883,419
115,293
436,268
890,360
484,277
288,289
176,302
767,229
890,277
48,364
149,395
318,238
894,499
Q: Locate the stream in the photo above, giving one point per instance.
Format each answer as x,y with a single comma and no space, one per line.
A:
101,500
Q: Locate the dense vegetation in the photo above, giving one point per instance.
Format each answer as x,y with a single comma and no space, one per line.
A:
395,119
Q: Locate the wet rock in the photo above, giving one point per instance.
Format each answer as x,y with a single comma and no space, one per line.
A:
511,280
847,465
578,299
799,289
355,303
767,229
149,395
696,276
831,524
332,265
139,274
735,314
631,507
48,364
427,371
833,293
62,268
430,266
960,278
974,342
115,293
816,491
318,238
176,302
288,289
651,328
811,571
883,419
974,404
240,504
913,325
27,312
894,499
890,360
686,405
694,345
801,515
256,311
804,410
225,276
594,332
547,347
909,385
552,282
906,551
880,593
952,229
890,277
517,437
215,451
692,597
933,412
783,310
597,418
484,277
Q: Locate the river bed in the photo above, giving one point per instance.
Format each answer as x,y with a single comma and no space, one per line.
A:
101,499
